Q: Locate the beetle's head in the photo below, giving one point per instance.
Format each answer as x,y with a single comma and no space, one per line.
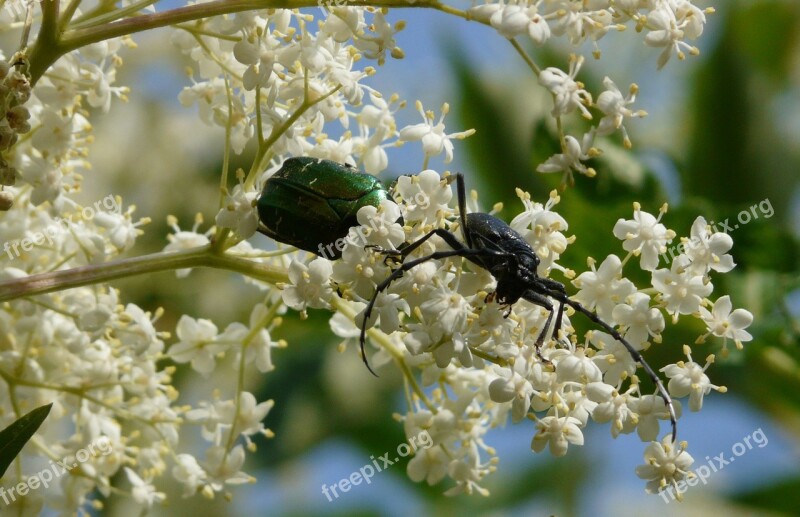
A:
514,276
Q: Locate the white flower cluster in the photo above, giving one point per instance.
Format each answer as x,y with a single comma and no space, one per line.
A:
479,365
282,66
286,82
666,24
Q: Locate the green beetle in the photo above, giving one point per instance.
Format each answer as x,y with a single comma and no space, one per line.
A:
312,203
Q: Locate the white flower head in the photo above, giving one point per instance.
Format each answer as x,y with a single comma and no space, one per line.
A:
727,324
689,378
568,94
603,288
425,197
434,140
189,474
557,433
708,251
197,343
239,213
666,464
615,108
645,235
143,491
309,285
681,291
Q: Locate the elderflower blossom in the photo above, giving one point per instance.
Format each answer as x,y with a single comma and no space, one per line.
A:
282,78
562,386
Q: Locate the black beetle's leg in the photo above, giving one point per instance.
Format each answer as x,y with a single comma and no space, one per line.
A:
635,354
459,251
446,236
542,301
557,328
461,191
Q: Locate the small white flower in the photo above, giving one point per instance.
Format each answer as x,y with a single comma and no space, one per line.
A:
689,378
603,288
645,235
665,464
188,473
434,140
667,31
614,407
310,285
651,409
638,319
726,324
575,366
224,467
708,251
247,421
260,56
575,153
239,213
558,433
196,344
429,464
542,228
143,491
568,94
185,240
615,108
612,358
512,20
425,197
680,290
379,225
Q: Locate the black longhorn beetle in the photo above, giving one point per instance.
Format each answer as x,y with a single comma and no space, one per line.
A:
493,245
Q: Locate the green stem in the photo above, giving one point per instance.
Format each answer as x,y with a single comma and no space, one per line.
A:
111,16
53,44
276,133
87,275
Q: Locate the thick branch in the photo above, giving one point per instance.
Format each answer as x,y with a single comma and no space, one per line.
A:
94,274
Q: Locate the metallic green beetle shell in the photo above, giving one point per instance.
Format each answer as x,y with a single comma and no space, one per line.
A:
311,203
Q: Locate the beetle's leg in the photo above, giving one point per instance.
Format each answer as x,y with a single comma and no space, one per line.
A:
553,285
635,354
459,251
461,191
543,302
391,255
447,236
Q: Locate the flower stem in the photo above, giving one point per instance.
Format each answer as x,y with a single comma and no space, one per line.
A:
54,41
94,274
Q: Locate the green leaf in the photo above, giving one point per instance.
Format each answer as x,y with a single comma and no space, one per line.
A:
14,437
